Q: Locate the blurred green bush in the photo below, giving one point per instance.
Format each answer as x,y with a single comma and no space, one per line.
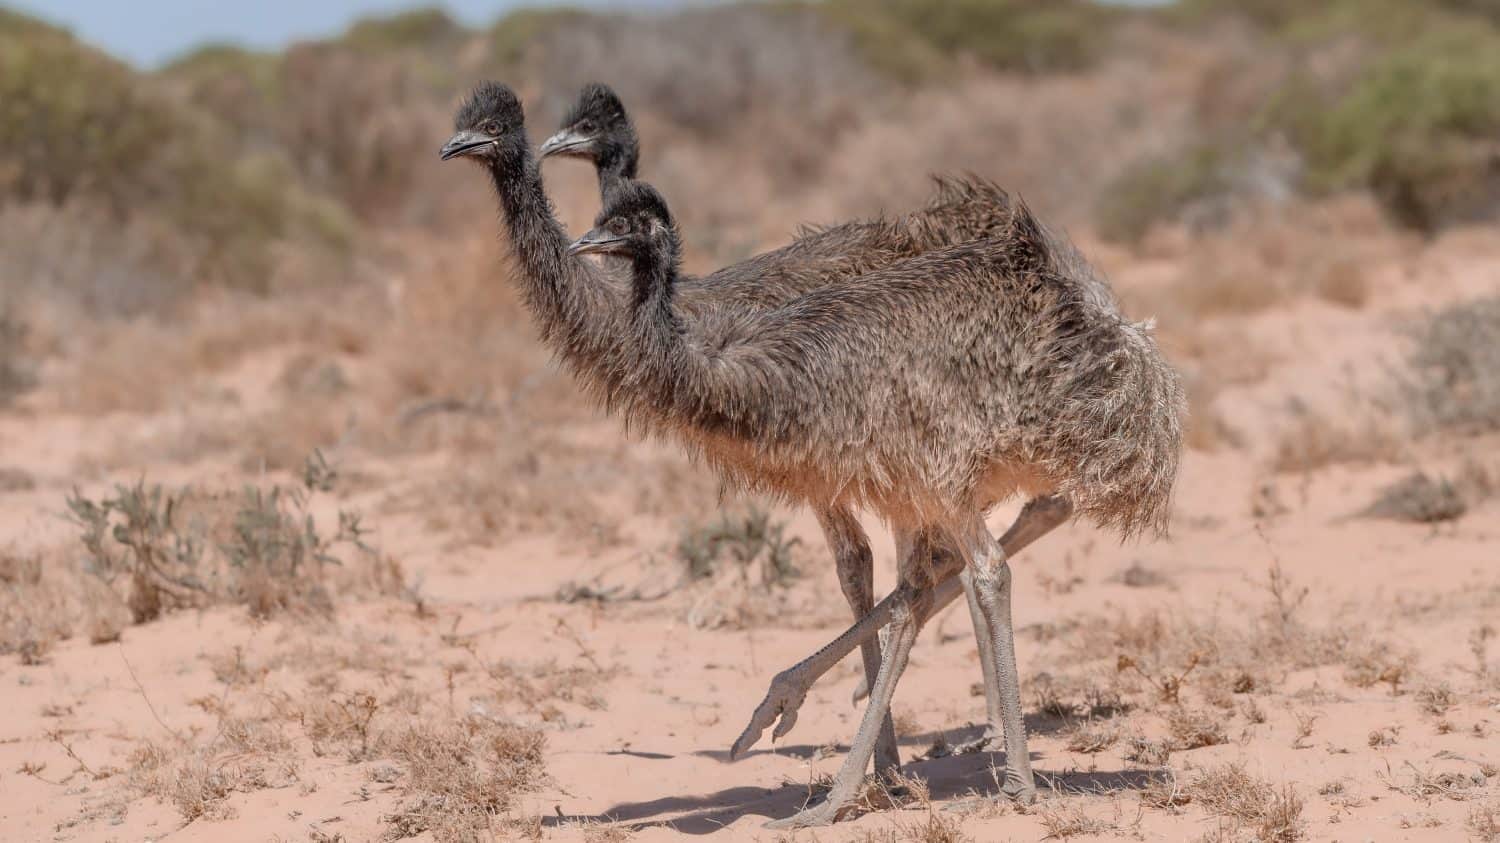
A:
77,126
917,40
1419,127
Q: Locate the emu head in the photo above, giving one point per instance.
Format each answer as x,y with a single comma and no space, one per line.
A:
598,129
634,223
489,118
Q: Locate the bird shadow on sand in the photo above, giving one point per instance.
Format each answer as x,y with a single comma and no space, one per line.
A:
956,777
1036,724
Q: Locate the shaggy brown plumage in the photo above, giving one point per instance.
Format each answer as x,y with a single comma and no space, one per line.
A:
598,129
938,384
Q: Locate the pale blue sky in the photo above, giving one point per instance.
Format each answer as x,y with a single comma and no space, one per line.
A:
149,32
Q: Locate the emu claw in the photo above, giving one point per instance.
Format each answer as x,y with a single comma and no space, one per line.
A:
780,706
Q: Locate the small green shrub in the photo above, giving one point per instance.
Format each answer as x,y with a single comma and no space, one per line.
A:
77,126
182,548
742,539
1416,127
510,36
1158,189
15,373
1418,498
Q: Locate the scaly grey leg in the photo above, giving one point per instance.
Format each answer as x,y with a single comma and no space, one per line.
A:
856,570
906,623
984,639
990,572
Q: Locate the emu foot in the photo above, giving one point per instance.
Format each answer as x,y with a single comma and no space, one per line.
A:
823,813
788,690
991,741
1025,794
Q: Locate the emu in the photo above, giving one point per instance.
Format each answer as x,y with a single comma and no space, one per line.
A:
927,391
598,129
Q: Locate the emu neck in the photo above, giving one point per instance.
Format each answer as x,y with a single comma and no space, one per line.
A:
616,165
577,314
726,391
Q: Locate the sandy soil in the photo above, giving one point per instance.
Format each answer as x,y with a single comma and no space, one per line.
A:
639,705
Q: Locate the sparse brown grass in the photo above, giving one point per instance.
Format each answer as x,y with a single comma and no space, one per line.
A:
1273,815
462,778
1272,257
1091,736
150,549
1064,819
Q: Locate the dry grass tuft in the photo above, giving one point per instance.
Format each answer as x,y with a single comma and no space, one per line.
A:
1152,753
462,778
1374,664
1192,729
1455,784
1483,821
1436,699
1418,498
1273,815
246,754
1455,364
1091,736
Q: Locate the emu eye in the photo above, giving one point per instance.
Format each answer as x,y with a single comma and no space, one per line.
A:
618,227
491,127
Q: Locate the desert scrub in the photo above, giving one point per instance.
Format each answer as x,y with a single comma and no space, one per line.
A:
1162,189
461,779
1454,380
15,371
512,35
77,125
1271,814
742,539
425,28
1416,127
916,40
178,548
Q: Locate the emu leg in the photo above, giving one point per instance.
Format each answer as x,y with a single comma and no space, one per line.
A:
907,614
856,570
984,639
789,687
986,563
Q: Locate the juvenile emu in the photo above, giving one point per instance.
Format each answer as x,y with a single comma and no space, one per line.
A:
599,129
928,391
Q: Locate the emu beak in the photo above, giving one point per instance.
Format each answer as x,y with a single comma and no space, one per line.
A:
597,241
566,142
465,143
